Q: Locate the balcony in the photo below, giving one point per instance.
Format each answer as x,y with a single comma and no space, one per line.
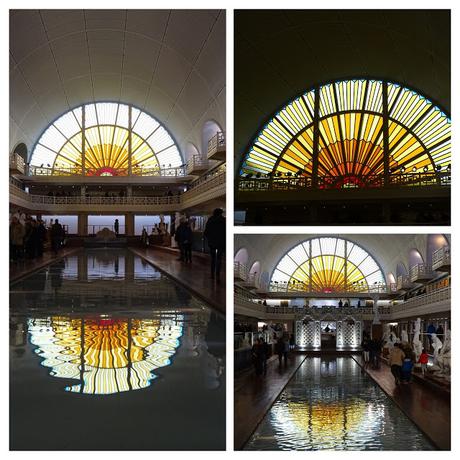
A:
217,148
240,271
404,282
441,259
434,302
197,165
17,165
355,288
210,188
421,273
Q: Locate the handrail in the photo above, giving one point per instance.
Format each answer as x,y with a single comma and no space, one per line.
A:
289,181
178,171
423,299
284,286
216,142
441,257
418,271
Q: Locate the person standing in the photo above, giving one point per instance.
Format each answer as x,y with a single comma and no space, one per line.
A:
56,236
366,348
396,361
41,237
180,237
17,238
116,226
188,242
279,348
292,342
423,360
215,234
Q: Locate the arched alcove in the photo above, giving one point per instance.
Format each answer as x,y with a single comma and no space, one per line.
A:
415,258
401,270
191,151
241,256
433,243
391,278
210,129
21,150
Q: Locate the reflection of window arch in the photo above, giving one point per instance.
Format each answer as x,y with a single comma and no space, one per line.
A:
328,264
337,131
104,138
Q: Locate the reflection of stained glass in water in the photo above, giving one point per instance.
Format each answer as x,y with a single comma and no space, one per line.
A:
105,355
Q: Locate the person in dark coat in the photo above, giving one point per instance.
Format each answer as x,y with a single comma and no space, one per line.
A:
183,237
41,237
215,235
56,236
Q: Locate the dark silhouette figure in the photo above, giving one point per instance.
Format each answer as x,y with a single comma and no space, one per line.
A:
116,226
57,234
215,235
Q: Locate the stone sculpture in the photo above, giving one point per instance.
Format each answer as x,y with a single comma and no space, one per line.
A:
417,344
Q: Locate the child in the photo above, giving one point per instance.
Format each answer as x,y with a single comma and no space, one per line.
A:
406,370
423,360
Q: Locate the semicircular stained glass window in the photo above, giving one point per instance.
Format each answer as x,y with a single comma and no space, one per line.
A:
350,117
105,128
328,265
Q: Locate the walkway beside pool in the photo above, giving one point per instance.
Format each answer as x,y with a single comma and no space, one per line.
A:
427,408
194,276
254,395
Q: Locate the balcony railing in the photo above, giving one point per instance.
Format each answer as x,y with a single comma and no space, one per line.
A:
421,272
378,288
403,282
289,182
240,271
17,163
424,299
197,164
179,171
217,147
441,258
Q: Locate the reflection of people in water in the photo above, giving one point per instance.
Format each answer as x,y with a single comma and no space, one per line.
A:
56,273
116,265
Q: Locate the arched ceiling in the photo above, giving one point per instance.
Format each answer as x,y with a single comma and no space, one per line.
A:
170,63
280,54
387,249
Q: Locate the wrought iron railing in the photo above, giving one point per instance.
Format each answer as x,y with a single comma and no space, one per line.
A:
423,299
179,171
289,182
403,282
300,287
441,257
420,271
216,143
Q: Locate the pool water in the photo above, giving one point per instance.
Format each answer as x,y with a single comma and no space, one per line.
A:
329,404
108,353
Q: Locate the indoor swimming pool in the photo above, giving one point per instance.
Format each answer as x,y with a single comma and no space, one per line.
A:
329,404
108,353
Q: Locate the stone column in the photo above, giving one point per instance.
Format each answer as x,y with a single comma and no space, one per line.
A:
129,224
82,224
377,330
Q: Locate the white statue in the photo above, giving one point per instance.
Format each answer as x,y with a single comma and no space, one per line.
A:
404,336
416,342
389,337
437,345
444,357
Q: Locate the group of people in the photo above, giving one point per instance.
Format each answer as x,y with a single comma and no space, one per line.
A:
402,360
261,351
372,351
28,237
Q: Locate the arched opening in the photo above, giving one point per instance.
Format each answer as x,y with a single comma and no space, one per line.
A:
401,270
106,139
210,129
21,150
254,272
349,145
191,151
391,278
415,258
241,256
433,243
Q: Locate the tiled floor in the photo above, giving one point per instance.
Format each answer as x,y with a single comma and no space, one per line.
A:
254,395
195,276
426,408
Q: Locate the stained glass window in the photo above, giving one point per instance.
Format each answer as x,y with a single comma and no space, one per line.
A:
105,139
328,265
338,129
